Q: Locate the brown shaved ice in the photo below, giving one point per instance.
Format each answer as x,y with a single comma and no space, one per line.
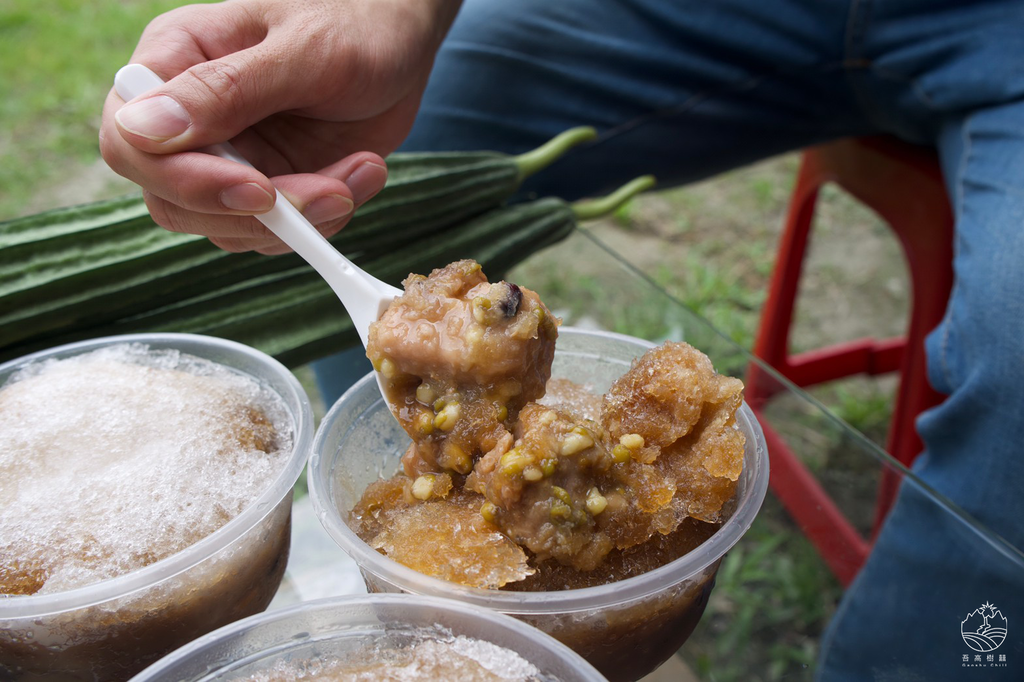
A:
619,564
20,577
577,400
584,489
446,538
662,397
550,516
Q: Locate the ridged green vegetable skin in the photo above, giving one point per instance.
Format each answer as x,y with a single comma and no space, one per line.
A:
106,268
94,264
295,316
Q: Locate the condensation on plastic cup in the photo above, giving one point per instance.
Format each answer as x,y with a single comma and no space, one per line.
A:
625,628
114,626
339,627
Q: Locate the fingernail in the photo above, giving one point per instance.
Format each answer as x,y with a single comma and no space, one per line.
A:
248,197
158,118
328,208
366,180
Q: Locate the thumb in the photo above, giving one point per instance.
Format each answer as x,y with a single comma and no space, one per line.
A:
211,101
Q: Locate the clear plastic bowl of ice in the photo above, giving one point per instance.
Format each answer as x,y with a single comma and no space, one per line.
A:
145,498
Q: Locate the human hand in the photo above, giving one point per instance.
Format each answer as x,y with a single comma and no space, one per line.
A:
312,92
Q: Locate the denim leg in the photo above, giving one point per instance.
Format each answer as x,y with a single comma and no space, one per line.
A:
336,373
683,89
928,571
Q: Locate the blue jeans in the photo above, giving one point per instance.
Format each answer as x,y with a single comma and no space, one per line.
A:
685,89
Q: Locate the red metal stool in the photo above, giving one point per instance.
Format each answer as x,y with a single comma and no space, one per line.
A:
903,185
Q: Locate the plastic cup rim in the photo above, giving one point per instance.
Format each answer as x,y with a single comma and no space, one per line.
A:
340,602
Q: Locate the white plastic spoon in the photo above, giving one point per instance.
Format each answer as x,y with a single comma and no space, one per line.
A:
364,296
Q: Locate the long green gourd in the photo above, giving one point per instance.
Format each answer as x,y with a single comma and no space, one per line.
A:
101,262
294,316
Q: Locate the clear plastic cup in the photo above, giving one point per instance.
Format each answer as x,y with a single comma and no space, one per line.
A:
626,628
111,629
341,627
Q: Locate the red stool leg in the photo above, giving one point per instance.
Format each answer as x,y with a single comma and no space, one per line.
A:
882,174
772,343
838,542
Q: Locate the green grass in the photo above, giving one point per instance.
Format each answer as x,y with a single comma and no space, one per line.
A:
864,405
772,599
588,297
58,59
718,294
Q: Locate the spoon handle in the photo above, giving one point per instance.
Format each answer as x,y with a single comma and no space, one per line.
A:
364,296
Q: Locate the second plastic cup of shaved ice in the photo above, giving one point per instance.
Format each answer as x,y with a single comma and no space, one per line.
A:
146,498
